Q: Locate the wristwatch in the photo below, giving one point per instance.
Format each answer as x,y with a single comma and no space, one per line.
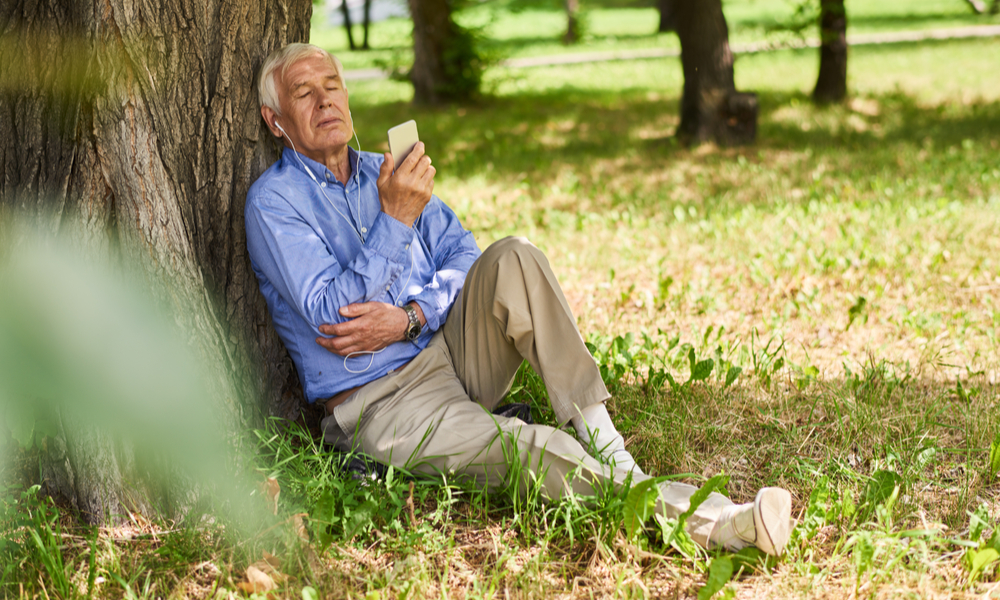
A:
413,329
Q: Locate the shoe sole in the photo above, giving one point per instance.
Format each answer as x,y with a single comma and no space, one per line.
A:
772,519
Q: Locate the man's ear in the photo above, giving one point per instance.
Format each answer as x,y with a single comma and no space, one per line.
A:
269,117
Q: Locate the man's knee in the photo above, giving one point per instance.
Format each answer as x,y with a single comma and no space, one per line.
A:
513,245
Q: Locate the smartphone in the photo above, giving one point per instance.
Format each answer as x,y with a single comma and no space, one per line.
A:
402,139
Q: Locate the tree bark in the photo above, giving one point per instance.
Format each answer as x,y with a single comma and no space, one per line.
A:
977,6
367,22
711,108
668,16
572,34
831,83
446,67
137,126
346,12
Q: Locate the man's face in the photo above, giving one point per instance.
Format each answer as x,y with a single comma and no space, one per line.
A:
314,110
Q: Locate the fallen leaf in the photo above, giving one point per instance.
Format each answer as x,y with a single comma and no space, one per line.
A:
258,582
271,559
269,566
271,491
299,524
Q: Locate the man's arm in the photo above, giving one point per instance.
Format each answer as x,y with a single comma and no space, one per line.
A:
298,262
454,250
307,275
375,325
372,326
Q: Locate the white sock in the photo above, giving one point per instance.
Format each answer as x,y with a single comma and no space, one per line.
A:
595,429
735,529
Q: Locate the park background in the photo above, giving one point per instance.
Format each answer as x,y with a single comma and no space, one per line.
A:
840,273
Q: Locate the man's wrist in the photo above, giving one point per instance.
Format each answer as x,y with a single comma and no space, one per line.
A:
414,325
420,313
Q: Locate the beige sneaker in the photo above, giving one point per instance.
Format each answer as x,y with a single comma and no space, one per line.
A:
766,524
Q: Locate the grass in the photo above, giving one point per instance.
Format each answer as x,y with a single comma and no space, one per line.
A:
845,269
612,27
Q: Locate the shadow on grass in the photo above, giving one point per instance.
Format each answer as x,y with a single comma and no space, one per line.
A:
897,22
507,46
607,139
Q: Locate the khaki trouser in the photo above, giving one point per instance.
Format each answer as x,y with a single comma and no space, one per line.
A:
433,415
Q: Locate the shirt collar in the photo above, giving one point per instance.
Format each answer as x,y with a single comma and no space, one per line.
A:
292,158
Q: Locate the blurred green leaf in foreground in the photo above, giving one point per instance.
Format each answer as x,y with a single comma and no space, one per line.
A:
83,347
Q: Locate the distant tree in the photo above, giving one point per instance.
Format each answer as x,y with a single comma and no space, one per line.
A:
348,26
978,6
367,21
446,63
711,108
574,24
831,83
136,126
668,15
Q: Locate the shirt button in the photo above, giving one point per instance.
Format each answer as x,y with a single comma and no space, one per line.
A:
364,230
387,287
407,246
400,303
322,184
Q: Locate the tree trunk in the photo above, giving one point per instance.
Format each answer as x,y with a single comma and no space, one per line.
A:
977,6
346,12
668,16
446,67
137,124
572,34
711,108
367,23
831,84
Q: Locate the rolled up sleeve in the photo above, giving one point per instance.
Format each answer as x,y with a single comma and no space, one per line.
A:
307,274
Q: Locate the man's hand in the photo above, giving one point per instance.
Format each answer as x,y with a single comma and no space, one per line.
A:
404,194
372,326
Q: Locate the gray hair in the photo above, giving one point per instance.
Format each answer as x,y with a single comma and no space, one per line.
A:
283,58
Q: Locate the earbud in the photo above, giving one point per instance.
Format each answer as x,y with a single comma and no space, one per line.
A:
278,125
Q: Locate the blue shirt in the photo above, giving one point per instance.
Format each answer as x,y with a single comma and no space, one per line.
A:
304,239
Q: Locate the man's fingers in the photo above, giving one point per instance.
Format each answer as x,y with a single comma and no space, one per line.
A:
410,162
358,309
333,344
429,175
386,171
343,344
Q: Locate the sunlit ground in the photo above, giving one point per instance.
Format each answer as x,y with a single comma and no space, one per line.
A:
846,262
887,205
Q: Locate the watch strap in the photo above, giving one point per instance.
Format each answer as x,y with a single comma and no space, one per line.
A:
414,328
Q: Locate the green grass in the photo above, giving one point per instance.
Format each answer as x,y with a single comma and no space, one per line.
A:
880,415
589,171
537,32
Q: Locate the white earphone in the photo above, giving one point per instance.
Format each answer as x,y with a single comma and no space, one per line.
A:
322,187
360,232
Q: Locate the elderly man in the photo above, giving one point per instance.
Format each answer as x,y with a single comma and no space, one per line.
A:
409,335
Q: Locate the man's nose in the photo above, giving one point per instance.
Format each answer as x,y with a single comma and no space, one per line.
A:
325,98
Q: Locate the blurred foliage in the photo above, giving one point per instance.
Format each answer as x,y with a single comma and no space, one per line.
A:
84,346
